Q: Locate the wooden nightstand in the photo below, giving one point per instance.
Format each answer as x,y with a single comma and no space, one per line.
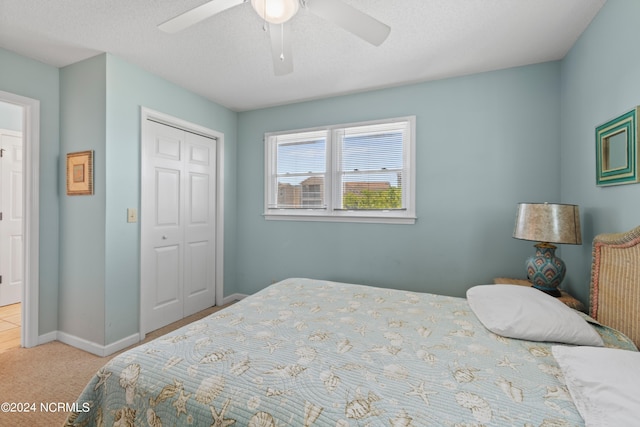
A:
565,297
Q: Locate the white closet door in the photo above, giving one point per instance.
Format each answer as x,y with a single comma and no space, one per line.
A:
199,224
178,223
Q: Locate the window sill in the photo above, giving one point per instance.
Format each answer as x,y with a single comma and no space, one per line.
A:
404,219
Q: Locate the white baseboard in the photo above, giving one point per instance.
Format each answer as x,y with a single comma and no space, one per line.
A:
122,344
106,350
48,337
232,298
89,346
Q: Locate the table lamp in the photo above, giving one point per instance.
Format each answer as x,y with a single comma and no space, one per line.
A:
547,223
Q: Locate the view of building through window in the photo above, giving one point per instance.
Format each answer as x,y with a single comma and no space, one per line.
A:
369,173
359,172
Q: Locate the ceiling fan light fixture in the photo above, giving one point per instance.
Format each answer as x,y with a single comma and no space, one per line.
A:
276,11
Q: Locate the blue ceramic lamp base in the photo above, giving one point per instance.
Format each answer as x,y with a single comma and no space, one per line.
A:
545,270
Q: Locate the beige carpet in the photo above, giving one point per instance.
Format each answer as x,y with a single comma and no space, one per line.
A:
53,373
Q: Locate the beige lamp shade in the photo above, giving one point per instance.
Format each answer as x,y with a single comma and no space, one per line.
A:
548,223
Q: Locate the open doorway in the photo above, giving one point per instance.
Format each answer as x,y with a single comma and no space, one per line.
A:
11,225
19,207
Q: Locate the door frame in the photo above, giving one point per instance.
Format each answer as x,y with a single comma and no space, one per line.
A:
149,114
31,209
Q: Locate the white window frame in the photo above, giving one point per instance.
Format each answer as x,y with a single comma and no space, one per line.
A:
332,183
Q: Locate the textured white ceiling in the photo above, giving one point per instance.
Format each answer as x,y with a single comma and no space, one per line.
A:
227,58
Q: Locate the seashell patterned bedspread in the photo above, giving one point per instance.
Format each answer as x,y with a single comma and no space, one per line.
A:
310,353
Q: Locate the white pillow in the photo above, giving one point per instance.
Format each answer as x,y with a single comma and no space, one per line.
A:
603,382
526,313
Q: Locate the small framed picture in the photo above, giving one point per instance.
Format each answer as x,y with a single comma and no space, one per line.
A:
80,173
617,157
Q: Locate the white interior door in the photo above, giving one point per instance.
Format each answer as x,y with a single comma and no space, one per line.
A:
199,223
11,218
177,224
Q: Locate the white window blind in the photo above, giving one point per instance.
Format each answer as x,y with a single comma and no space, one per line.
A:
371,167
357,172
300,171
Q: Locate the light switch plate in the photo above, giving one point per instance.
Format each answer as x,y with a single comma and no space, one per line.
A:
132,215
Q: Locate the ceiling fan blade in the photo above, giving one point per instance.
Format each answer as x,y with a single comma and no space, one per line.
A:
351,19
197,14
281,48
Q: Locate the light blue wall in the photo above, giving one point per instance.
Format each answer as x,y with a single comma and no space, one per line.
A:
128,88
33,79
82,218
95,104
10,117
600,80
484,143
100,110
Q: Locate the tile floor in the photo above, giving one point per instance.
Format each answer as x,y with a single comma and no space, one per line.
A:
10,318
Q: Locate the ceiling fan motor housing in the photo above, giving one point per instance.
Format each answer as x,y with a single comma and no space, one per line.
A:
276,11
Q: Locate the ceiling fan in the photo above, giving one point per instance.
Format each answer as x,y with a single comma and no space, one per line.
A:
276,15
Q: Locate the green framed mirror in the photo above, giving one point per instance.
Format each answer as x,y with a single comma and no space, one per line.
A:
617,150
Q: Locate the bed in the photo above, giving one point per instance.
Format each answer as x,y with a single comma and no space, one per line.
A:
306,352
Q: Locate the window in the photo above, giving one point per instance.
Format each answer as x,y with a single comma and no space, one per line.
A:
356,172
